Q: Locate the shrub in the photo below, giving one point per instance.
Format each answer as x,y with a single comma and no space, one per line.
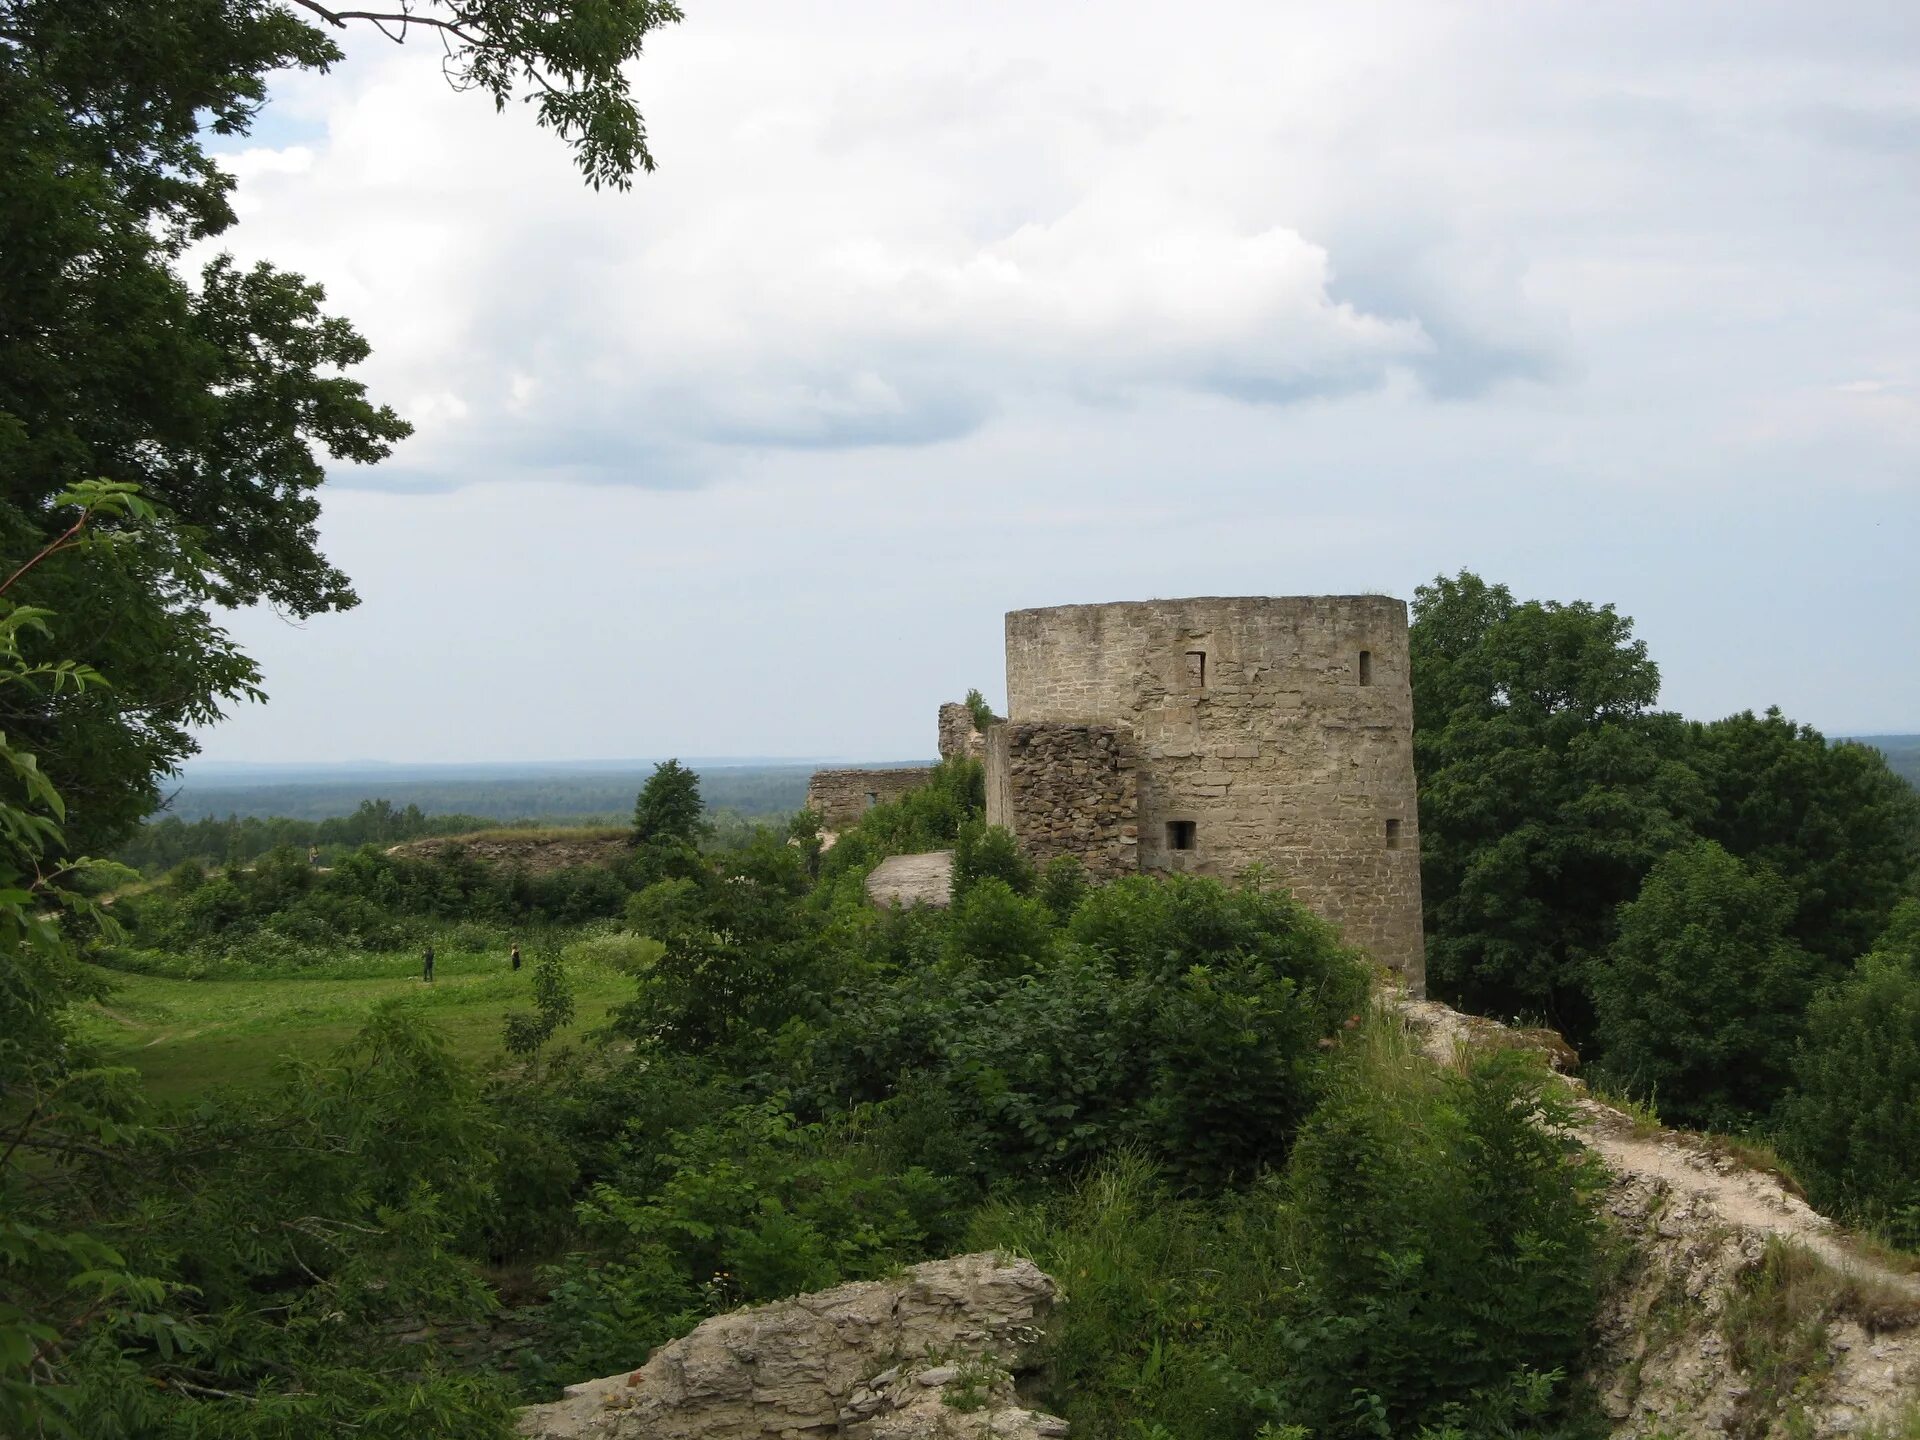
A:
998,931
1063,885
1850,1126
1173,1299
1189,1022
753,1206
982,851
1700,996
620,950
1451,1251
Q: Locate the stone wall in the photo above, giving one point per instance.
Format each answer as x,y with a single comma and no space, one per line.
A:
958,735
841,797
1067,789
1272,731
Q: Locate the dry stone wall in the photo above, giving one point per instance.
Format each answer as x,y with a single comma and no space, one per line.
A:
841,797
958,735
1270,731
1067,789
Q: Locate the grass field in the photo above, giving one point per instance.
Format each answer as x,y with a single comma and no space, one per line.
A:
188,1036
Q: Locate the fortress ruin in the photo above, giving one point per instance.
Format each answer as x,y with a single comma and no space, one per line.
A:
1211,734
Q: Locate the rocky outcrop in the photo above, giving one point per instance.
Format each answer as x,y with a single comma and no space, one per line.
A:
1742,1311
927,1356
909,880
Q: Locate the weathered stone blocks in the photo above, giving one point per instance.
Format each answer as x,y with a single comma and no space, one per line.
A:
841,797
1259,731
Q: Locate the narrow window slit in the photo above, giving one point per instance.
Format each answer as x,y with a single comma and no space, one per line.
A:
1366,667
1180,834
1197,669
1393,834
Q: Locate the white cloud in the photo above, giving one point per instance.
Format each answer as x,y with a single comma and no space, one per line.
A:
936,311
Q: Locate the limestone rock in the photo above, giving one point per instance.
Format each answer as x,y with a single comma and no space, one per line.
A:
929,1356
909,880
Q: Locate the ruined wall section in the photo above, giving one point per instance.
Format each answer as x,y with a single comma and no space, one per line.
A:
1067,789
958,735
1272,731
841,797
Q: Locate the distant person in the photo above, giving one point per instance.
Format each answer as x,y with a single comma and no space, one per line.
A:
427,966
313,856
515,957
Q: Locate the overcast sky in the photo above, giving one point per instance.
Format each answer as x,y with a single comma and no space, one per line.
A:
937,311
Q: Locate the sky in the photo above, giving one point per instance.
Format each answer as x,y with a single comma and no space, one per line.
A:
933,312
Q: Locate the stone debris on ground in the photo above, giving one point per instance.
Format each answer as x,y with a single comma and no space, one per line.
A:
928,1356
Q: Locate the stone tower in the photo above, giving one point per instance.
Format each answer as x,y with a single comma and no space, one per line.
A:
1211,734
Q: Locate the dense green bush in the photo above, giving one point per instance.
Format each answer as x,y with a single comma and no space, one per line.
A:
1701,993
1435,1213
753,1206
982,851
1852,1128
281,1233
1427,1265
1183,1016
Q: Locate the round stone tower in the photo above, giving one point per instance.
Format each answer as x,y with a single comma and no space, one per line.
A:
1271,731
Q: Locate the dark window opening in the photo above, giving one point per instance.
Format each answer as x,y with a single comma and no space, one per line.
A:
1393,834
1366,667
1180,834
1197,669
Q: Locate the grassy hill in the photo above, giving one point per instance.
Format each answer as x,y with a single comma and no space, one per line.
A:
188,1036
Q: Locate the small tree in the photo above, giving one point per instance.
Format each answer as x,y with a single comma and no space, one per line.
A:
527,1031
668,809
982,713
1850,1128
1700,994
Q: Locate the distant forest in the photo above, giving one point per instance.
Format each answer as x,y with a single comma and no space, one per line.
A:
603,796
1902,752
236,823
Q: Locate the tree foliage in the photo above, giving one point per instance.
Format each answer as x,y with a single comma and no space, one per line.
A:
1701,993
1839,827
223,394
1548,787
667,811
1851,1124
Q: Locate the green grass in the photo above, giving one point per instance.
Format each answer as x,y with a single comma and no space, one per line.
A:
188,1036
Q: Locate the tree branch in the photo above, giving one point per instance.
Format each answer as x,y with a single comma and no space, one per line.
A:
339,19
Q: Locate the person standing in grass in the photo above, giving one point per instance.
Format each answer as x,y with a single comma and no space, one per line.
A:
427,966
515,957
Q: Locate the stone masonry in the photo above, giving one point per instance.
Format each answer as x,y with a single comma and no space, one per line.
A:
1264,731
958,735
1067,789
841,797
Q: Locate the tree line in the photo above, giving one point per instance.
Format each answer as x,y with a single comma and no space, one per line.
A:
1723,916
